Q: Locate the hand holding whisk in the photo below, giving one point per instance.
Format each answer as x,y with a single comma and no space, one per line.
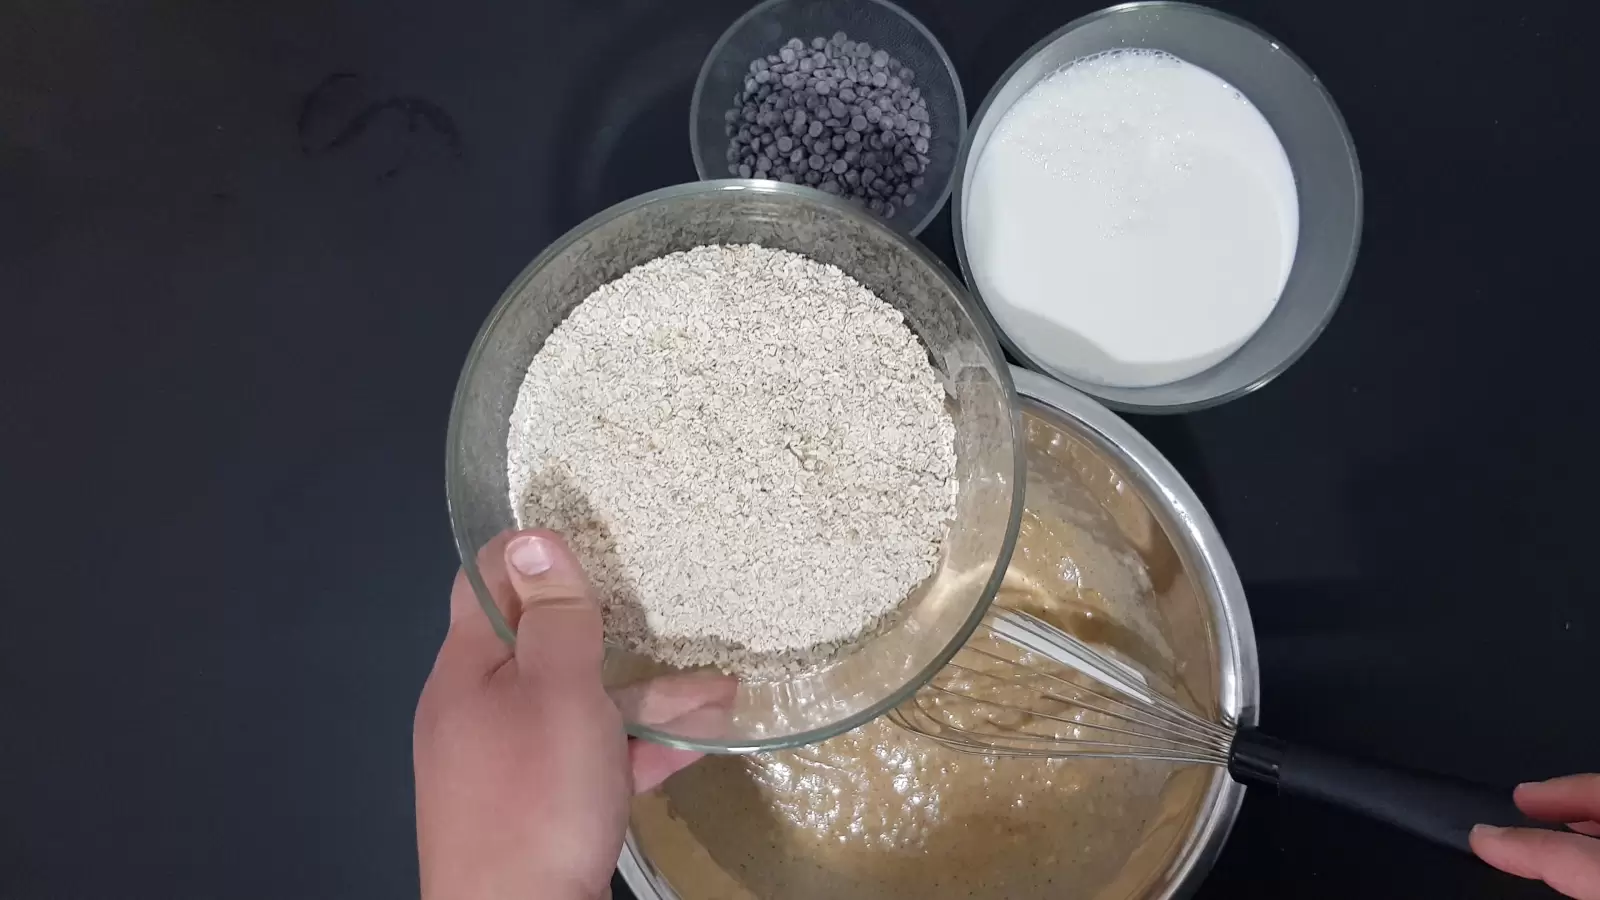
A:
1011,692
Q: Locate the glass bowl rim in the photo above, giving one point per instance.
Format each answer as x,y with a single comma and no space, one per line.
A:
962,125
1199,402
969,306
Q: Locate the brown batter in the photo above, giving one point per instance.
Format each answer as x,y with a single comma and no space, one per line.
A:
881,812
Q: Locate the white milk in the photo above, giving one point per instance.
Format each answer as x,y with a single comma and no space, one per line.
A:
1132,220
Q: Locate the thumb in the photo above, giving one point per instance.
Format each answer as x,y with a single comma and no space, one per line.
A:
559,629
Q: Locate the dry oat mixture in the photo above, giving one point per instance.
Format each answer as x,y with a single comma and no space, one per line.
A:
748,451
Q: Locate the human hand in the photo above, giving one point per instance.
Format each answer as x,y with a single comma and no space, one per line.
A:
523,770
1568,862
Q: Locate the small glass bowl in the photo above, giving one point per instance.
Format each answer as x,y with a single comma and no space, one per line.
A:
939,615
765,28
1313,134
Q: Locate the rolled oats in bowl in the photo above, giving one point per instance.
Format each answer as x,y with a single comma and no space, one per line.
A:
748,451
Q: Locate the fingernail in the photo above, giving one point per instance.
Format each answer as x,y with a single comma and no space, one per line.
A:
530,555
1486,830
1527,789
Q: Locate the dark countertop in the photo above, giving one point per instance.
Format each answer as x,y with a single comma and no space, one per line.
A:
231,333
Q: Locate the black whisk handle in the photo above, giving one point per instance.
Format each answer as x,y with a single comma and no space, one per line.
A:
1433,807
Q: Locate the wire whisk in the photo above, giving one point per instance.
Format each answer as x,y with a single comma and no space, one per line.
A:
995,700
1023,688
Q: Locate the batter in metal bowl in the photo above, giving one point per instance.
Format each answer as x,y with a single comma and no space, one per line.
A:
880,812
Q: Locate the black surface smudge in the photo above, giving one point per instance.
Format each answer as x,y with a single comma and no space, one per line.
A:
328,104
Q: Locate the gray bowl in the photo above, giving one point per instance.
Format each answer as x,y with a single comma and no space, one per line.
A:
765,27
1313,134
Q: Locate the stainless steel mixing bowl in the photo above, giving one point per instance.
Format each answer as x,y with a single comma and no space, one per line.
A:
835,696
1080,451
1313,134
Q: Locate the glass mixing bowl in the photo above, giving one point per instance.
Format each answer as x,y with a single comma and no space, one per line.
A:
885,26
938,616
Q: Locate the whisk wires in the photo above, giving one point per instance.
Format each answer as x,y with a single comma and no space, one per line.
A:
1027,689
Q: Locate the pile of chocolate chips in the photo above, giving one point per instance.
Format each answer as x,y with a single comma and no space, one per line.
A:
835,114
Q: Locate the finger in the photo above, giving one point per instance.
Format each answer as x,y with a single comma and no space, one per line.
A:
660,700
654,763
559,634
1569,863
472,646
1592,829
693,704
1573,798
